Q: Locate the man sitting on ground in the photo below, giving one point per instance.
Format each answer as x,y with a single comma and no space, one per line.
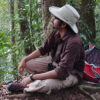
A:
64,67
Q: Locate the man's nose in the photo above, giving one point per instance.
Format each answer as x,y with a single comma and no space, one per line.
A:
52,19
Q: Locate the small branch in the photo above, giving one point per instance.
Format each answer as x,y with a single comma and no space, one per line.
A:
86,93
91,88
18,95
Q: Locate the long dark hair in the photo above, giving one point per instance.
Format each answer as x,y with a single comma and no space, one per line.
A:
68,28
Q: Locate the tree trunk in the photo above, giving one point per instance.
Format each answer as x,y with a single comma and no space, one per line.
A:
88,17
74,1
30,4
12,26
24,27
47,27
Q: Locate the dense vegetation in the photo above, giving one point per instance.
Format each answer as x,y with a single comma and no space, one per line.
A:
13,50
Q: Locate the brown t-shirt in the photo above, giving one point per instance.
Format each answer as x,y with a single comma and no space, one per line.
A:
68,52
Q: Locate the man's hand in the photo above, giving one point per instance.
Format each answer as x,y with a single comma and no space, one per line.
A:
21,67
26,81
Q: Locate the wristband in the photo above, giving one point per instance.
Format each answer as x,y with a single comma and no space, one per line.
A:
31,77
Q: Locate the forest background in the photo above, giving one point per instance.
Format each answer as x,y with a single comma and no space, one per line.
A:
24,25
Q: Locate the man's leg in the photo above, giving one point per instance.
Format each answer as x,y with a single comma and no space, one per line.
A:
38,65
48,85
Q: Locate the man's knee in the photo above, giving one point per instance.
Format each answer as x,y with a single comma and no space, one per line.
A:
70,81
38,65
30,66
29,63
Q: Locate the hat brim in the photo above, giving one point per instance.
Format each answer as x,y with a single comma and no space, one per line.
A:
74,28
55,11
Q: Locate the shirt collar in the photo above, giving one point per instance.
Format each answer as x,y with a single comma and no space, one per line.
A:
65,37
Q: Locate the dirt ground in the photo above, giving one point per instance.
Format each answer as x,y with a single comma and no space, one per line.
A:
71,94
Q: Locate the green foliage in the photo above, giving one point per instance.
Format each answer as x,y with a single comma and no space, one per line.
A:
4,49
4,43
8,68
97,21
84,30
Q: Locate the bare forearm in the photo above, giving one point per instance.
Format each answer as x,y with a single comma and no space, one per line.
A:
47,75
33,55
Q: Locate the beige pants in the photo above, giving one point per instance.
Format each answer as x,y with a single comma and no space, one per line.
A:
40,65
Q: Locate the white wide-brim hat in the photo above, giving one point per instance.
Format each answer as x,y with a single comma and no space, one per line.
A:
68,14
